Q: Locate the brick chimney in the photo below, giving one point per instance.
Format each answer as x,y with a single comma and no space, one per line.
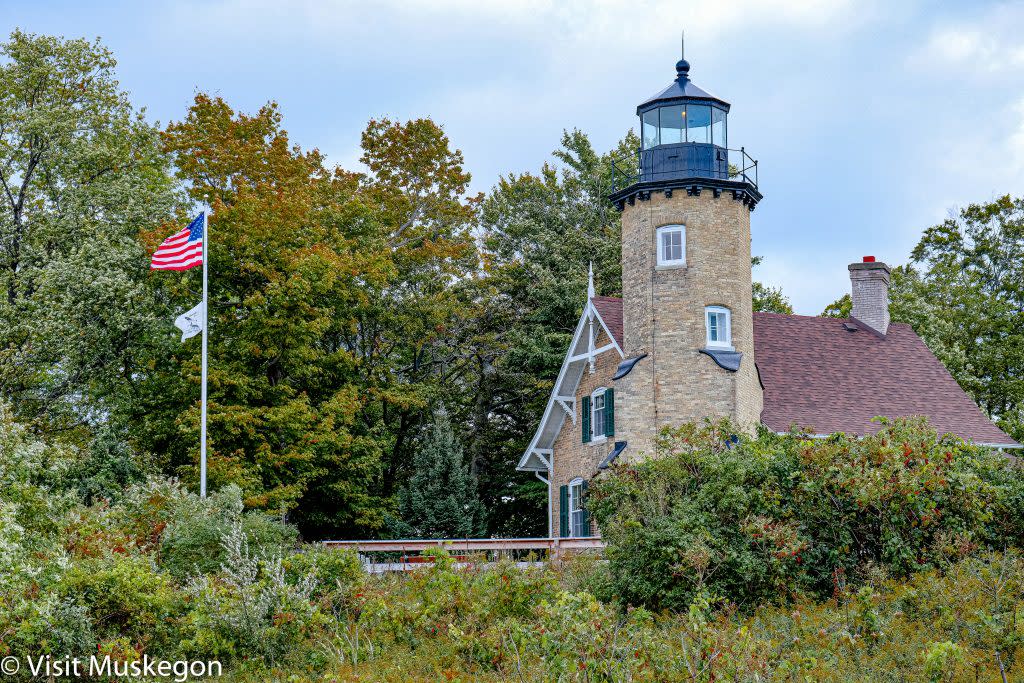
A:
869,282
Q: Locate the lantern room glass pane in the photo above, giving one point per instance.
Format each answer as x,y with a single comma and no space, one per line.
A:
718,130
698,123
672,125
650,129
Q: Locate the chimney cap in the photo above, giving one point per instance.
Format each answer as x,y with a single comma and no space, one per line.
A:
869,259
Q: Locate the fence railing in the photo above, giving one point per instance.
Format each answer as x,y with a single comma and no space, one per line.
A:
404,554
681,161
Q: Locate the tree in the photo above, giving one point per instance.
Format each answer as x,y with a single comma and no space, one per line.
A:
440,499
840,308
967,303
965,298
81,174
282,404
337,305
539,233
769,299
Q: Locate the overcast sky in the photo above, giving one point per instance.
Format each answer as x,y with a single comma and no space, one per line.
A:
871,120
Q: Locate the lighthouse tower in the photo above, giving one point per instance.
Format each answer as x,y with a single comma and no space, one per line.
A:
686,273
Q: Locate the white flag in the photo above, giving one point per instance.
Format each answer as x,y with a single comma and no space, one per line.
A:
190,322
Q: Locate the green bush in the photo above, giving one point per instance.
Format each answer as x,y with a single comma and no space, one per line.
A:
108,467
193,540
338,574
760,519
125,596
250,610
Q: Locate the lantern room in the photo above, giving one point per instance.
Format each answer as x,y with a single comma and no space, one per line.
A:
684,132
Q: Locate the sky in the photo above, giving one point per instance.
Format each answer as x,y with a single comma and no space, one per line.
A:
871,120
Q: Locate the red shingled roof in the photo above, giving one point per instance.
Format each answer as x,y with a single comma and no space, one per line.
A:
821,377
610,310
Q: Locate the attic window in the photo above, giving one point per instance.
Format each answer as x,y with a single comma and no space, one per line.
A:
718,320
672,245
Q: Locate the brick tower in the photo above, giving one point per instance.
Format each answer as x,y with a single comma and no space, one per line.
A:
686,271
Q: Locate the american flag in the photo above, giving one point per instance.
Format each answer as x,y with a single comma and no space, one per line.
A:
182,250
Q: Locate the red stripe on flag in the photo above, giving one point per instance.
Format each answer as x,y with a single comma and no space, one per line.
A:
171,251
177,259
178,265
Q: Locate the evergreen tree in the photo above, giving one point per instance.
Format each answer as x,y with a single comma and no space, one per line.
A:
440,499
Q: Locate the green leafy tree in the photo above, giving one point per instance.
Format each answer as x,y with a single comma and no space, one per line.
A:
336,310
769,299
840,308
963,295
440,499
81,174
282,404
971,285
539,233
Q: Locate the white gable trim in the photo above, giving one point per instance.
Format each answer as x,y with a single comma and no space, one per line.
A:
534,460
607,331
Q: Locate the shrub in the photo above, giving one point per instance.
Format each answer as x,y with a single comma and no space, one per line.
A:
193,541
759,519
249,609
124,596
33,480
338,574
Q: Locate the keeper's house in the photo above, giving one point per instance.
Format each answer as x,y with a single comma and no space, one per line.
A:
683,342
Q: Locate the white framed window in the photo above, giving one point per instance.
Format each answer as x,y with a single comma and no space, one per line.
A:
598,413
578,522
671,245
718,321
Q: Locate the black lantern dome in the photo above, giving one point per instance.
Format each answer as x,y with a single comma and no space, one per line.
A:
682,89
684,138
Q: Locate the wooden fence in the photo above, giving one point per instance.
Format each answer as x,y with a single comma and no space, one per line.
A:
405,553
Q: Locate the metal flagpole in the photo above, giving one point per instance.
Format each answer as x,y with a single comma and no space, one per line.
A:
202,429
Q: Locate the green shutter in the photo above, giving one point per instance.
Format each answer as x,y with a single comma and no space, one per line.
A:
563,511
585,531
585,409
609,412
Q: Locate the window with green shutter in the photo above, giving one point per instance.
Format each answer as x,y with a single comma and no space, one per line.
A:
585,410
609,412
584,529
579,520
563,511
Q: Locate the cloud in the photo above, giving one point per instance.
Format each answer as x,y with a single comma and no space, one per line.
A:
870,119
987,45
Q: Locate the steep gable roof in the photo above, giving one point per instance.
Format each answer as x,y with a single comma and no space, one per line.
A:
610,310
819,375
600,315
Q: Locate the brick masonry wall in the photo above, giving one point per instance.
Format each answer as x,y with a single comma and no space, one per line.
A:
573,458
663,315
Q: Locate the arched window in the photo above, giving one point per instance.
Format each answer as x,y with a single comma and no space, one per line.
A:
718,322
672,245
